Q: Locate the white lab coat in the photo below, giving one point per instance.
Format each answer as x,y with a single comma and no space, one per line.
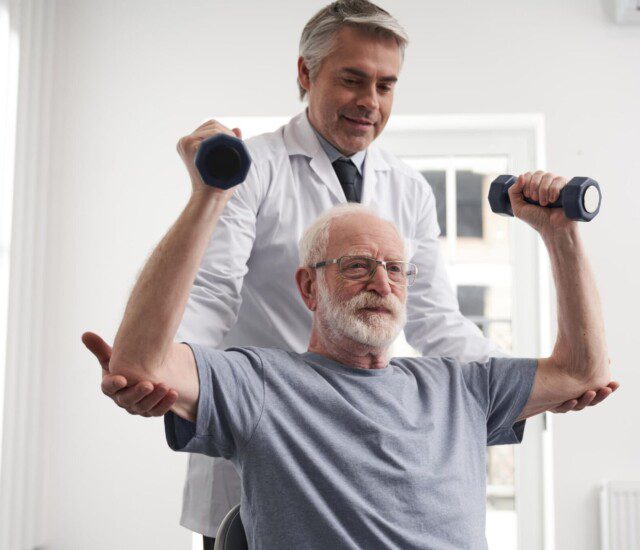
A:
245,292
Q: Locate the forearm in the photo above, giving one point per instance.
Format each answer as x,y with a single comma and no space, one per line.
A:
158,299
580,348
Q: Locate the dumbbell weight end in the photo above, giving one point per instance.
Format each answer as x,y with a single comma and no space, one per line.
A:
223,161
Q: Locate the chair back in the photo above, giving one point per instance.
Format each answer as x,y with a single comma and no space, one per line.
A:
230,535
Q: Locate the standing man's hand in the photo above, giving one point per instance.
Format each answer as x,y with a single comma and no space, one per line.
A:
188,147
144,398
587,399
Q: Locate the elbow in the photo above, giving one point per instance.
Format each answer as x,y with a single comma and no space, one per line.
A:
601,373
587,365
590,372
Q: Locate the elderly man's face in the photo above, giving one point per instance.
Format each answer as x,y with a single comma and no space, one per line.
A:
370,312
350,98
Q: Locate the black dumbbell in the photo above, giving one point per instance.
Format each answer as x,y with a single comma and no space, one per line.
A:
580,198
223,161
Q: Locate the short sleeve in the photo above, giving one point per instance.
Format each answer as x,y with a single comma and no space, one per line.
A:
501,386
230,403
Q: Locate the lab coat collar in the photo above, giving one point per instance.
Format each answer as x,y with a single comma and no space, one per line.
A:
334,154
300,139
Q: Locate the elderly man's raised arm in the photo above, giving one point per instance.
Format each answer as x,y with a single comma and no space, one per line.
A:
579,361
144,348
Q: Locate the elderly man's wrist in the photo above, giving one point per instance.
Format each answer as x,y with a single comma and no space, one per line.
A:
568,235
209,201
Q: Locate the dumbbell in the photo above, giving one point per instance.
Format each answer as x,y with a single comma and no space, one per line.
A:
580,198
223,161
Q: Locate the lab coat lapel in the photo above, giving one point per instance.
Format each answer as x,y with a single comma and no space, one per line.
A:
299,139
373,164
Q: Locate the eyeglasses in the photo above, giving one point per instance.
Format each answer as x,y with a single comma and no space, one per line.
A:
363,268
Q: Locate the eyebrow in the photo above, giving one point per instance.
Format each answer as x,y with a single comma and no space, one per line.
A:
369,255
362,74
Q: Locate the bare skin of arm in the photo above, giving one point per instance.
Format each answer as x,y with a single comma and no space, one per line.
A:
144,351
579,360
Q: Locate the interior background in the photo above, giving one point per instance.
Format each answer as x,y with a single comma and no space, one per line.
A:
131,78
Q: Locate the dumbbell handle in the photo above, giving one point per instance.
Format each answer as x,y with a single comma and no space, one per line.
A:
555,204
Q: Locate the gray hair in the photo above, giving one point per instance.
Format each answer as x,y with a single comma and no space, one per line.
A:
313,244
318,34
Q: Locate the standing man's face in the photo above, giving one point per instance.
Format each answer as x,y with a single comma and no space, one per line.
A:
350,98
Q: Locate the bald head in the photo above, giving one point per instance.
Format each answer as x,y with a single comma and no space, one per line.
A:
347,225
364,234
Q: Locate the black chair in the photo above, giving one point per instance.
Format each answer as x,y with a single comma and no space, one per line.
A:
230,535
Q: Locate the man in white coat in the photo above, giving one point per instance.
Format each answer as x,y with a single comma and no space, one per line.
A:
351,53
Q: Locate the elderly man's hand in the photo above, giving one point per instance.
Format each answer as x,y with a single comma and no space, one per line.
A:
188,147
144,398
544,188
588,399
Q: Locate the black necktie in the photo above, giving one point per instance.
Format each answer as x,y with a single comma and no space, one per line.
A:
347,174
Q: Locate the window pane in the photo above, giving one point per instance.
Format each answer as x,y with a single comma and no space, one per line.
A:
469,203
471,300
437,180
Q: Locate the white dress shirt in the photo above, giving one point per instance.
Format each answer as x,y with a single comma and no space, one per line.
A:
245,292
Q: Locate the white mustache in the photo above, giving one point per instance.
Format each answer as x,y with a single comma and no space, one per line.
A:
365,300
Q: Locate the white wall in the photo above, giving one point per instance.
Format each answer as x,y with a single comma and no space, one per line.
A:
130,78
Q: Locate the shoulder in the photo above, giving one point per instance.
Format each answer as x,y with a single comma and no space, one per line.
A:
267,148
267,357
269,155
396,166
400,172
267,152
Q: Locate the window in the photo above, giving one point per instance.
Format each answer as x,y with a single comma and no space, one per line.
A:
437,180
469,203
471,299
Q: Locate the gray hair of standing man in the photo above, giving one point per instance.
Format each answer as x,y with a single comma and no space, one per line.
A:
318,34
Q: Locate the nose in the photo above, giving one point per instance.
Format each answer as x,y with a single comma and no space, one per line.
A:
380,282
368,99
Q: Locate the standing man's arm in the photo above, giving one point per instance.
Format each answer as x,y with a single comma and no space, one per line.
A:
144,349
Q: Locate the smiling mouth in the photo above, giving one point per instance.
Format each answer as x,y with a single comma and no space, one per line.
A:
358,121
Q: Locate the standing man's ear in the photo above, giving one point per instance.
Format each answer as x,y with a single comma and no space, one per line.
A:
303,74
307,285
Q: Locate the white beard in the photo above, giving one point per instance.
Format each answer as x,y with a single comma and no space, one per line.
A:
346,319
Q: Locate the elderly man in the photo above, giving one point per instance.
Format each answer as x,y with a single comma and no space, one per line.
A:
340,447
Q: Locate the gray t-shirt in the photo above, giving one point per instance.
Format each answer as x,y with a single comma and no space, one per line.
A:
332,456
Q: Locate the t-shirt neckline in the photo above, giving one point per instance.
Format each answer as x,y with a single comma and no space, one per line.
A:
326,362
